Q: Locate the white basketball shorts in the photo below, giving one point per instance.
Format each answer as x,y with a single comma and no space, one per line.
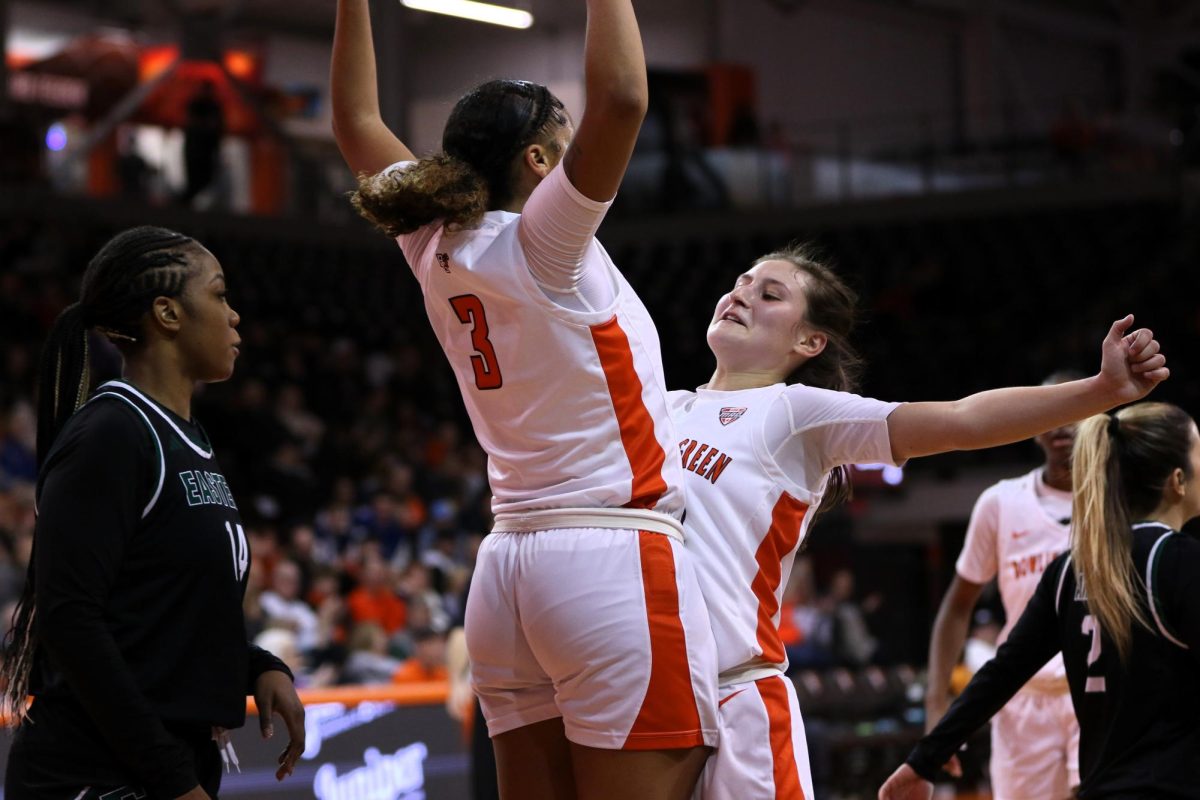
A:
1035,747
605,628
763,753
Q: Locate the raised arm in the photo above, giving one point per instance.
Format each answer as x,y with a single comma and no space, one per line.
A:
617,97
367,144
1130,367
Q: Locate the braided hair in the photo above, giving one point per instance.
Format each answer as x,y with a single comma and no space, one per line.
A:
475,172
119,286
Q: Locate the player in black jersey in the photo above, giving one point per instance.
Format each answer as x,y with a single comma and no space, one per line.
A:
130,633
1122,607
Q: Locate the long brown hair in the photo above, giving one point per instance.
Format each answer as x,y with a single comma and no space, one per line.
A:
476,171
1121,463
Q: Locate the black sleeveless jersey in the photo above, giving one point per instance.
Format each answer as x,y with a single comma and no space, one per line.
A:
140,568
1139,720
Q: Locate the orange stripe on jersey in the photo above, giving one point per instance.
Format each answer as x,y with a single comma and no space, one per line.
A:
645,454
668,717
783,751
780,540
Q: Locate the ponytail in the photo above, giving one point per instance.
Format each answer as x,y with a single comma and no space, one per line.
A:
1101,544
402,201
1120,466
62,376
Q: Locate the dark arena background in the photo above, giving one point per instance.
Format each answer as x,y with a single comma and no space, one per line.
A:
999,180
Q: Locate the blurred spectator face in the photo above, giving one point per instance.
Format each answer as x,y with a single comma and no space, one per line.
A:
285,580
760,324
368,637
419,615
842,586
303,539
416,578
375,574
430,650
343,492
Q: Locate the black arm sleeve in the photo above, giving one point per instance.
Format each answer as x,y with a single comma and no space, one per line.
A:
90,505
264,661
1179,565
1031,643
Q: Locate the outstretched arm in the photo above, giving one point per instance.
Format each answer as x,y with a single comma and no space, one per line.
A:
1130,367
617,96
365,141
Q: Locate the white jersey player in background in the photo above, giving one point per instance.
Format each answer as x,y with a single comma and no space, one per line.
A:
1017,527
590,647
762,456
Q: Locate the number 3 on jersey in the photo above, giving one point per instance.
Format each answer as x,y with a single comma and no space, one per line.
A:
469,309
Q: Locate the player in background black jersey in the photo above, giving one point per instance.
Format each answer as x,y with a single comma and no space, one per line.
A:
1123,609
130,634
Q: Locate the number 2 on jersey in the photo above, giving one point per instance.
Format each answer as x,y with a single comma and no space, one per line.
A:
1095,683
469,310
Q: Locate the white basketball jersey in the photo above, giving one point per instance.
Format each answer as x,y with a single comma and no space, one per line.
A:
757,463
570,406
1013,538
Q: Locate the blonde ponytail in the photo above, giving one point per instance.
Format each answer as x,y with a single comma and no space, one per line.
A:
1122,463
1101,548
441,187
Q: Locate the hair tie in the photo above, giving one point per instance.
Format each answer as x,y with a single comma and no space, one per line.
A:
1114,424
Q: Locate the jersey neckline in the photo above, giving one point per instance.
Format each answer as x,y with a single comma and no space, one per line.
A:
168,416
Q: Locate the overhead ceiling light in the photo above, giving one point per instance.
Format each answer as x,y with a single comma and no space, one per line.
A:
469,9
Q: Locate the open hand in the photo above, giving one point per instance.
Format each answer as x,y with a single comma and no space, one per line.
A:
1131,364
275,694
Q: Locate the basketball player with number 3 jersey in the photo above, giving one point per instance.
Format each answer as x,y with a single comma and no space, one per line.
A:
761,458
591,650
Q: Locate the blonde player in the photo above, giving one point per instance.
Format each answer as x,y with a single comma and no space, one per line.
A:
762,457
590,646
1017,528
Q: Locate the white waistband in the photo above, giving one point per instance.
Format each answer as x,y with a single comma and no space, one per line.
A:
617,518
748,673
1047,685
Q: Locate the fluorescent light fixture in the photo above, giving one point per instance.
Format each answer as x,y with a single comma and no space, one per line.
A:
469,9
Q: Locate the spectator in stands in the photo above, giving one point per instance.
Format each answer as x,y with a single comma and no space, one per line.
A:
853,642
284,607
375,599
813,645
499,228
369,661
764,457
428,661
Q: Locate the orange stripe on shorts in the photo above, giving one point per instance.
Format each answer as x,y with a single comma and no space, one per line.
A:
783,752
668,717
646,456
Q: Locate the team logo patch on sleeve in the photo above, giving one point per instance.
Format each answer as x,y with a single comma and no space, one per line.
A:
730,414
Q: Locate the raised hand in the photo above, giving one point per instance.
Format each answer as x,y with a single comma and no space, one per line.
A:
1131,364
